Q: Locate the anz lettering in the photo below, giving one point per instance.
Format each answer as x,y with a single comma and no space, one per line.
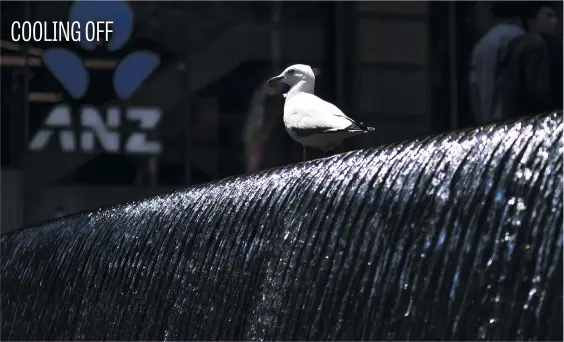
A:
92,125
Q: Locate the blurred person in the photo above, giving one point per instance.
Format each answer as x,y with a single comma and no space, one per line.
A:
484,82
556,53
530,74
258,128
556,84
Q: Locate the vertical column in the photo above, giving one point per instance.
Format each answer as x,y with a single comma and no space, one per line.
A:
203,144
11,200
27,183
391,69
209,108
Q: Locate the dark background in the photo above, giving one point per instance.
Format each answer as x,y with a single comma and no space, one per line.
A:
401,67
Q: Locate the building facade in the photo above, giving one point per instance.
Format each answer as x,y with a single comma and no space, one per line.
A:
389,64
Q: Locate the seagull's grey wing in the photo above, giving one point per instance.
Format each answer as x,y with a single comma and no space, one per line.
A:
355,125
307,114
307,131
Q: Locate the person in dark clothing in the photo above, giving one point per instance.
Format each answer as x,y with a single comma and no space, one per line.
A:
555,46
484,82
556,84
527,74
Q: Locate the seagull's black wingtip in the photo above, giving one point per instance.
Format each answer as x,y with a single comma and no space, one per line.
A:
365,128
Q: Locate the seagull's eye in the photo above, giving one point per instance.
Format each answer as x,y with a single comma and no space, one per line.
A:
291,72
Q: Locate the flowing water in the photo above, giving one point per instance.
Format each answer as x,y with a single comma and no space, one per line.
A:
453,237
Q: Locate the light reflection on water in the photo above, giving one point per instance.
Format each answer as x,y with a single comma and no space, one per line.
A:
453,237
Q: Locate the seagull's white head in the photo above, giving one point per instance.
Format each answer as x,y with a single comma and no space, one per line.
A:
295,74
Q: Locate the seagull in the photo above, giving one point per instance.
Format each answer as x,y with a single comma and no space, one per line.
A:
309,120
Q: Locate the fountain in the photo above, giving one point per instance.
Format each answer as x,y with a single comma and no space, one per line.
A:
455,237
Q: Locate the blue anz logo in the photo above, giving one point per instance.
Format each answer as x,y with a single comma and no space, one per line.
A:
69,69
97,132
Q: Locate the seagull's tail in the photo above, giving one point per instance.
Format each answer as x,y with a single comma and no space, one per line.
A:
365,128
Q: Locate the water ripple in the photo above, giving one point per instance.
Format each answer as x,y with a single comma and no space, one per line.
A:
455,237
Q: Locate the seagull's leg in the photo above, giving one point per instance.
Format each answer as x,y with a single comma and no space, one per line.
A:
304,153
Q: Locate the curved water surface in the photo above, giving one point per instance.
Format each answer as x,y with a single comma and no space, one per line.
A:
453,237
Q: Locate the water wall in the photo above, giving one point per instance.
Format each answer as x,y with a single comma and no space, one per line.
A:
455,237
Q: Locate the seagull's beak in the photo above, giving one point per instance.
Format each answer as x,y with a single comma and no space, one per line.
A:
274,80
